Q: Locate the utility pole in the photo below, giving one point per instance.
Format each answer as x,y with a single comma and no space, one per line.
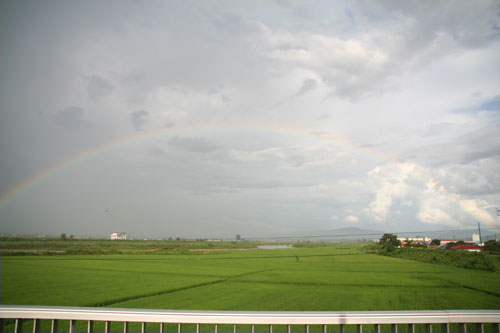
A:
498,214
479,228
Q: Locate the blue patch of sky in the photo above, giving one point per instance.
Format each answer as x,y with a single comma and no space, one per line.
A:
349,14
492,105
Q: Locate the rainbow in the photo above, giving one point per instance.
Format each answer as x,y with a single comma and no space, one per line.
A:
96,151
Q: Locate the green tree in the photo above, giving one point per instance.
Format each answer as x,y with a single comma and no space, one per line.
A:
63,236
450,245
492,246
238,237
389,239
388,242
436,241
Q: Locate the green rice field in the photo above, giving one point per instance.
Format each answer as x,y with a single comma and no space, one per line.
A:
337,277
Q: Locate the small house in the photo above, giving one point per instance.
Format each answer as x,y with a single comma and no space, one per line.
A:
119,236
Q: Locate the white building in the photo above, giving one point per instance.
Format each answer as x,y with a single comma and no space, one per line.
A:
415,239
119,235
475,238
446,241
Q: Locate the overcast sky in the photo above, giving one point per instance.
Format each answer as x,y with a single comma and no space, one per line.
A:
207,118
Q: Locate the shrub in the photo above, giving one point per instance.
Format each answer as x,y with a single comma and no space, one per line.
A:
492,246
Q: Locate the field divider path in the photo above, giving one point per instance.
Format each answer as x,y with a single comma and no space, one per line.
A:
460,285
371,285
173,290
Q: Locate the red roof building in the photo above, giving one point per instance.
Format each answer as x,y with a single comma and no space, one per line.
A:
468,247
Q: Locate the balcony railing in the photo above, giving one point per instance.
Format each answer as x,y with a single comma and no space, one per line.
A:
13,318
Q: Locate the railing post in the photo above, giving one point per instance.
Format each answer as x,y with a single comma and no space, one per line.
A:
143,327
179,327
125,327
90,326
394,328
377,328
360,328
341,328
162,328
234,328
36,325
445,328
428,328
107,327
54,326
216,328
72,326
18,328
411,328
462,328
307,328
324,328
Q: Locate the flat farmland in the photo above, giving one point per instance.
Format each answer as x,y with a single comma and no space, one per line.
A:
328,278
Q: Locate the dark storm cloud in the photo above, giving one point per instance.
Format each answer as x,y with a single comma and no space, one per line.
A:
139,119
71,117
97,87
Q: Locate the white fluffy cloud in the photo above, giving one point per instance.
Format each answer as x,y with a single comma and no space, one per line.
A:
415,186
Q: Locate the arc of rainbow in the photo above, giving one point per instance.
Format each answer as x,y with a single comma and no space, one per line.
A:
95,151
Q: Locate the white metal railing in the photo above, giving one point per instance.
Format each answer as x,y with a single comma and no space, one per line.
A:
481,320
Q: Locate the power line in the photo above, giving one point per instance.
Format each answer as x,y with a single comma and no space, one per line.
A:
367,234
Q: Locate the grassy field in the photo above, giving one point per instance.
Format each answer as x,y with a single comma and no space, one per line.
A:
325,278
56,246
334,277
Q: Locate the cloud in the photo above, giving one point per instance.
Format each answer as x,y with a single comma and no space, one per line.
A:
307,85
479,209
351,219
196,145
477,178
412,81
431,214
435,195
139,119
391,40
71,117
350,67
469,147
381,206
97,87
391,184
